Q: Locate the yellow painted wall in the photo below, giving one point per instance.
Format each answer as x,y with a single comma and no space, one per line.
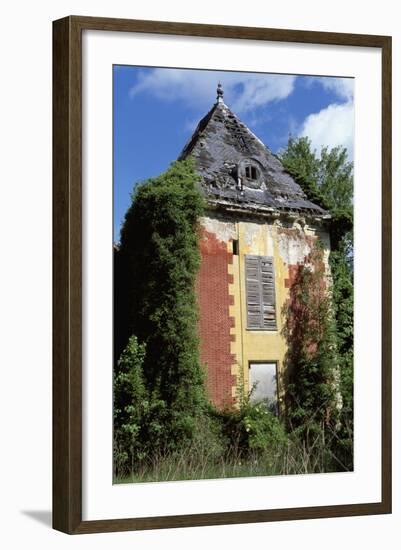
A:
288,245
288,241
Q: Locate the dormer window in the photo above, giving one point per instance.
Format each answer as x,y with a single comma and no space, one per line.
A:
251,172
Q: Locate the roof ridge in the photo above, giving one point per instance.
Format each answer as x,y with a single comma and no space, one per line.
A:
199,128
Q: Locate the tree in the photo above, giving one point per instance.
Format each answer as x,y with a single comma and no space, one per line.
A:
328,180
158,259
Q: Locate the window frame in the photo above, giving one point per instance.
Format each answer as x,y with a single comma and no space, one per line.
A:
251,171
267,361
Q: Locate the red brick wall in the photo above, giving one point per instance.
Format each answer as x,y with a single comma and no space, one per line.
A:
215,322
292,275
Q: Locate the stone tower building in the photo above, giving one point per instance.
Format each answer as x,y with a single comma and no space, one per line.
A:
258,228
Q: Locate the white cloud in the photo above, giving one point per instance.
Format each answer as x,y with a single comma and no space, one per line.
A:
244,92
342,87
260,90
332,127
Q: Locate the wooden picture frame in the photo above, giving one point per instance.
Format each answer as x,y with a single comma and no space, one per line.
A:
67,274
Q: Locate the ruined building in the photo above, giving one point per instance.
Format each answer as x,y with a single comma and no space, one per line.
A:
258,228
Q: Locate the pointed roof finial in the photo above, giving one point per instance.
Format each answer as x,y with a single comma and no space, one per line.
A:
220,93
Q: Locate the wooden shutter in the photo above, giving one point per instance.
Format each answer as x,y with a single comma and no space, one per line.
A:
268,293
260,292
253,292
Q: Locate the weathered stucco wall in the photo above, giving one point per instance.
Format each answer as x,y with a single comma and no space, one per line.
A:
227,346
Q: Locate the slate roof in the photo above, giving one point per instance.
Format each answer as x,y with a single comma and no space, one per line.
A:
223,147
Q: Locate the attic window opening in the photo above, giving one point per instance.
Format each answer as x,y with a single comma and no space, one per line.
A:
251,172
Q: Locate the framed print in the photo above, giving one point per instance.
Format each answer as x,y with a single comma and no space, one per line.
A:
222,275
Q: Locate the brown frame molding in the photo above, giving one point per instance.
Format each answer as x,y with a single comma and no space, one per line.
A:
67,274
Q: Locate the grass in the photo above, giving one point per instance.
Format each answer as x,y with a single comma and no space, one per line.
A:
180,469
198,462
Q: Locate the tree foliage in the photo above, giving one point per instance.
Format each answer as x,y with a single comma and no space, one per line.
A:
311,360
327,179
343,301
157,262
129,404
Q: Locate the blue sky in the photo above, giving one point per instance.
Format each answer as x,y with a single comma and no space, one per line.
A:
155,111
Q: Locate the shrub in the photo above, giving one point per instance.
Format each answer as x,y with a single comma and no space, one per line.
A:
252,429
130,405
263,428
